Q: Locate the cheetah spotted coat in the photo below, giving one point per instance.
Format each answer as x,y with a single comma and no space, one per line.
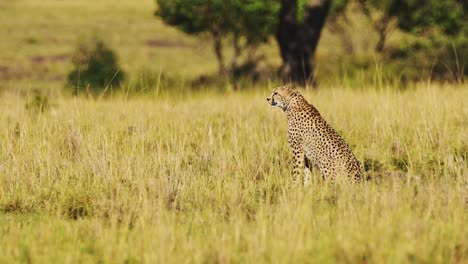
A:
312,140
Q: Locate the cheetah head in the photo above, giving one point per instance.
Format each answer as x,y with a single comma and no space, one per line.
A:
281,97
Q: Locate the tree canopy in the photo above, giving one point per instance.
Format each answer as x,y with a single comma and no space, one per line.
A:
253,21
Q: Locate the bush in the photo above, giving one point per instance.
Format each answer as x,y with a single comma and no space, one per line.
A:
95,68
437,59
39,103
453,60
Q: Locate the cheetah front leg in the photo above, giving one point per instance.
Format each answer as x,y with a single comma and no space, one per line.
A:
307,171
298,164
295,143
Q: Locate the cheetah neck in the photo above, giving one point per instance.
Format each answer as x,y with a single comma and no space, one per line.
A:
299,104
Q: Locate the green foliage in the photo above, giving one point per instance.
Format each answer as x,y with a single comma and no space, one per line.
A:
95,68
301,6
415,16
419,15
254,20
338,7
438,59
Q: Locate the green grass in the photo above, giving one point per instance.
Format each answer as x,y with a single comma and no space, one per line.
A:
207,179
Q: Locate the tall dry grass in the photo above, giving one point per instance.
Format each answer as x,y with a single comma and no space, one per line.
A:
207,179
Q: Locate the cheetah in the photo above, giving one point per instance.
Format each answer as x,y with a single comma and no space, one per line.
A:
312,140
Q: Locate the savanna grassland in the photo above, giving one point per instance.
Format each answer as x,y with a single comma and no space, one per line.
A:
205,177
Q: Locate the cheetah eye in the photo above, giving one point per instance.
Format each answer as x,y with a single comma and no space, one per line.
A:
275,93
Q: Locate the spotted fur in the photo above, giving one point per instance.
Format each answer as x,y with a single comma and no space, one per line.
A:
312,140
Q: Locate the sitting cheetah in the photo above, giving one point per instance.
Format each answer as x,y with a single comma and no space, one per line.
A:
312,140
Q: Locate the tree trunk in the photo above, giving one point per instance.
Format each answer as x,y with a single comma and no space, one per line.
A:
218,48
382,28
237,52
235,60
298,40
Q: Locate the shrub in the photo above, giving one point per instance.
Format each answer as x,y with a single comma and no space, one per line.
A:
39,103
95,68
436,59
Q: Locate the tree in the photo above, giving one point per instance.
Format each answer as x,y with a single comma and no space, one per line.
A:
299,27
247,22
415,16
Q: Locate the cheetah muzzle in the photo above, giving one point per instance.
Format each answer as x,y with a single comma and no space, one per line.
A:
312,140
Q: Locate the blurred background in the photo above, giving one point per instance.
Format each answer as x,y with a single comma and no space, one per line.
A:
179,45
